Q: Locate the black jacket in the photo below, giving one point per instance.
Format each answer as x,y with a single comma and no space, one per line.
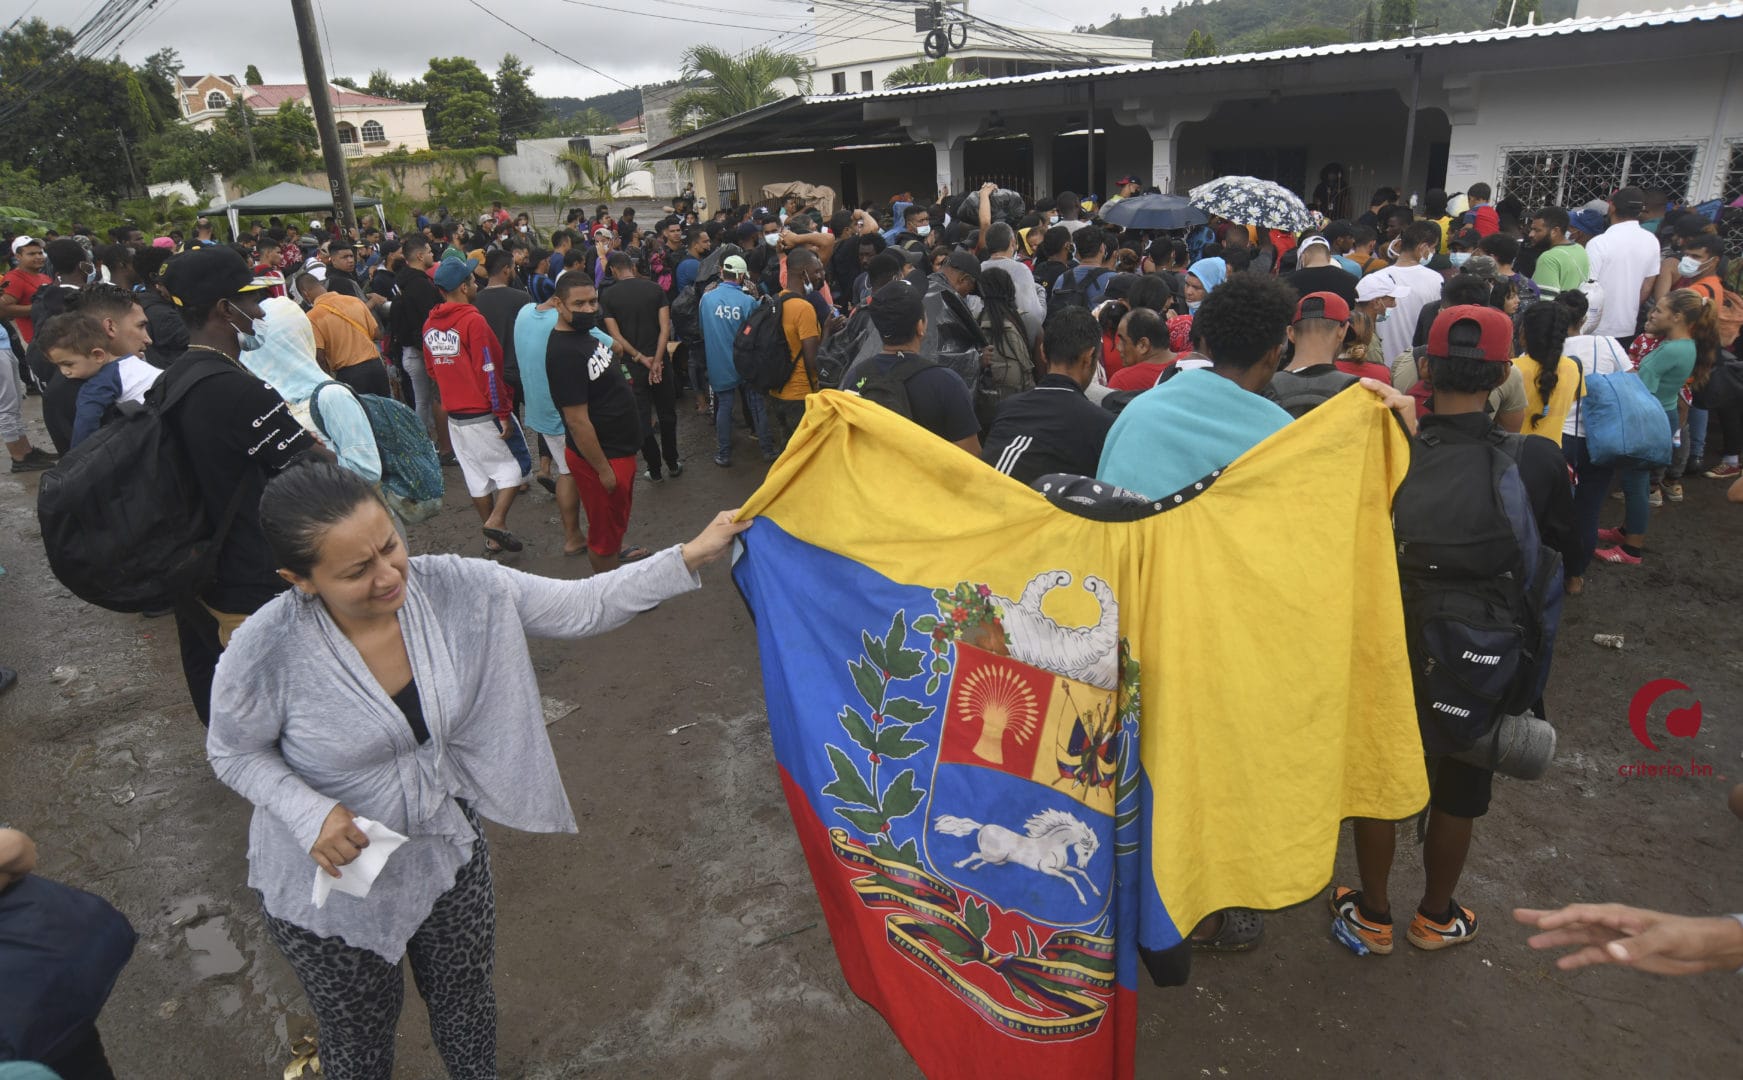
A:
169,331
417,298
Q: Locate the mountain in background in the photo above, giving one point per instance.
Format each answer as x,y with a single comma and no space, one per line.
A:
620,105
1236,26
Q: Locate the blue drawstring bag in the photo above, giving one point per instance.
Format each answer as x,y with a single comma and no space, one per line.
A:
1625,425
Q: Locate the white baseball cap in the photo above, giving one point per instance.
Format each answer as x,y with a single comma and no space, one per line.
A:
23,242
1313,241
1377,285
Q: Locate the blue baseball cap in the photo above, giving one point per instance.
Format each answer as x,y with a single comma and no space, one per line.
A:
1590,222
453,273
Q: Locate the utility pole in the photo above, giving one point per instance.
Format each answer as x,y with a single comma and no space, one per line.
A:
248,131
1410,121
315,73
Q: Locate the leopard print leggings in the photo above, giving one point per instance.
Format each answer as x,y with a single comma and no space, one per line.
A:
356,995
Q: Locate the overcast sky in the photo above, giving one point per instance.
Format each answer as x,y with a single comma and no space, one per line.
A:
401,35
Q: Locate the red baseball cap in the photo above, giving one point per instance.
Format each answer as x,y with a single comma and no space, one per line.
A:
1494,346
1322,305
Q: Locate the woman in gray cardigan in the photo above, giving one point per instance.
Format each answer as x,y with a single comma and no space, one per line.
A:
400,690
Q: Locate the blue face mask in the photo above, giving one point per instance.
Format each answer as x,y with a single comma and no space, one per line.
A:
1192,306
1459,258
922,230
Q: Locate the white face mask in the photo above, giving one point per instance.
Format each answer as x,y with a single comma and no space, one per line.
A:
1459,258
1689,266
922,230
771,239
1052,219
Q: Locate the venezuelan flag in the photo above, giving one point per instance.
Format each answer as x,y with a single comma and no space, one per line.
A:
1017,743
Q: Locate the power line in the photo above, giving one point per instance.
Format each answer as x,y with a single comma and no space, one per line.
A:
550,47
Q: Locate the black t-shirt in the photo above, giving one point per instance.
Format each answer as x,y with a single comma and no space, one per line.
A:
411,308
584,371
635,303
237,431
381,282
1053,428
1331,279
1047,272
499,304
938,396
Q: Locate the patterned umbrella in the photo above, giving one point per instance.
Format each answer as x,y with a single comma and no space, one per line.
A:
1247,200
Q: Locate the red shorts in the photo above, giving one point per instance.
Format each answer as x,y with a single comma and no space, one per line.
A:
607,512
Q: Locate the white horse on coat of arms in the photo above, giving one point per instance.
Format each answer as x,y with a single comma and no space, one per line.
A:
1052,834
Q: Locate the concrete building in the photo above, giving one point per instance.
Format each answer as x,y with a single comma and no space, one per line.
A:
856,45
1561,113
368,125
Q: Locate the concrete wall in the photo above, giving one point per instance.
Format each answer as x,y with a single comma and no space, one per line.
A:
880,172
1694,101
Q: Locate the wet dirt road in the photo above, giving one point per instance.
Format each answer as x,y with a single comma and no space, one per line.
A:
678,935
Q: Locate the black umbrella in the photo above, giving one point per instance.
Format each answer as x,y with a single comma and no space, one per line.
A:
1154,212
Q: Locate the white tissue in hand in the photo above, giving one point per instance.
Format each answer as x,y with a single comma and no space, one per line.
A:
356,876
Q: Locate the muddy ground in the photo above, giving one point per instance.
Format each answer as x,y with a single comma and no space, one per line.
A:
679,936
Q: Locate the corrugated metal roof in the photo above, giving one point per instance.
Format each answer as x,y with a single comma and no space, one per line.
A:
1633,21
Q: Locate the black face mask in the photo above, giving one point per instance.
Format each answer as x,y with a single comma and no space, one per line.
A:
584,321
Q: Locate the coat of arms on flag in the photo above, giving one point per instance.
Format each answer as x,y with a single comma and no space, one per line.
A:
951,666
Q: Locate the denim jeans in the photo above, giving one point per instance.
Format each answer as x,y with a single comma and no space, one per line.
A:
1637,486
724,400
1591,484
423,388
1696,438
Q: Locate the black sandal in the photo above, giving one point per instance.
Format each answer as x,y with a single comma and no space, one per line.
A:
1241,929
634,554
508,540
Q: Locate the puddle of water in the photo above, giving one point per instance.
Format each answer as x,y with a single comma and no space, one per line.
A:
214,953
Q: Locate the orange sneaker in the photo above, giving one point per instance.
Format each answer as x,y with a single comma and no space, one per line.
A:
1346,904
1431,934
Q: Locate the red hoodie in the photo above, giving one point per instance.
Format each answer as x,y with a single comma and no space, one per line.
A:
461,353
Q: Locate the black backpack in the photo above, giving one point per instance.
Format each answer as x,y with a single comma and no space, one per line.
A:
121,514
1298,394
760,351
1482,594
1070,291
890,388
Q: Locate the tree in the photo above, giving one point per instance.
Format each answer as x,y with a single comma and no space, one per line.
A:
158,76
1368,22
519,111
460,103
1397,18
466,194
926,73
382,84
252,76
725,85
1199,45
70,116
180,152
1517,12
588,121
594,180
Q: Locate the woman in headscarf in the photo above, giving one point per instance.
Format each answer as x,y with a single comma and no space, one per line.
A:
285,361
1202,277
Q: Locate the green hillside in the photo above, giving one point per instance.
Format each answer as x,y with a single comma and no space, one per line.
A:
1256,25
620,105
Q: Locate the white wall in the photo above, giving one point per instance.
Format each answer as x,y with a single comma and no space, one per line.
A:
534,167
1614,105
401,127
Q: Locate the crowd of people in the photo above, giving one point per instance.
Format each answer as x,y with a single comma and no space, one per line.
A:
334,669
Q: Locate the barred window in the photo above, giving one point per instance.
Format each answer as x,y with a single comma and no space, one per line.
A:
1732,191
373,132
1574,176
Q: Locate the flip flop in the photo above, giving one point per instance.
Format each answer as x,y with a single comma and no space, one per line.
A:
634,554
548,484
491,552
508,540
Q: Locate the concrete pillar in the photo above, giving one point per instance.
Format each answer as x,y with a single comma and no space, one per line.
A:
1162,162
949,138
948,154
706,176
1041,157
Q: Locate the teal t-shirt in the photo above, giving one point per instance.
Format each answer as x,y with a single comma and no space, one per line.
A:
1184,430
1666,368
532,334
